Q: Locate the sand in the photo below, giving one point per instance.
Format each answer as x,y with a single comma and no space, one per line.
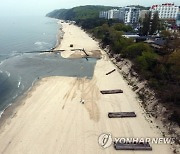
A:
80,40
52,118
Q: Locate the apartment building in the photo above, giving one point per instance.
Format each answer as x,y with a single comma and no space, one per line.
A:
113,14
129,15
165,11
103,14
110,14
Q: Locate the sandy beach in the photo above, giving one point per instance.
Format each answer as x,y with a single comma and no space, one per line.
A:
52,119
80,40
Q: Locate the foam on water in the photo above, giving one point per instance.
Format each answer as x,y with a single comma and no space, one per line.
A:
19,82
8,74
1,112
41,43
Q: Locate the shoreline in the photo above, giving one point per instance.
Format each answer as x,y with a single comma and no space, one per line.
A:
9,107
90,117
59,37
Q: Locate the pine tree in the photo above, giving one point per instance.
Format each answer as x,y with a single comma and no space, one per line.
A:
155,23
146,24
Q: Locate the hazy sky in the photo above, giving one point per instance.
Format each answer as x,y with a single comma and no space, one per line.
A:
41,7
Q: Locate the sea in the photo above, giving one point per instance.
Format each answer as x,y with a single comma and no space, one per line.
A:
22,62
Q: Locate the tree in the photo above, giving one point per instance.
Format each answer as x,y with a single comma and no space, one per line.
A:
174,60
147,60
155,23
118,46
165,34
136,49
146,24
122,27
172,42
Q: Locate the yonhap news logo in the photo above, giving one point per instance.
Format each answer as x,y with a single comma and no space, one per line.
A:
105,140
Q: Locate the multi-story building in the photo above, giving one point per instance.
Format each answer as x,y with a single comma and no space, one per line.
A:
165,11
111,14
103,14
129,15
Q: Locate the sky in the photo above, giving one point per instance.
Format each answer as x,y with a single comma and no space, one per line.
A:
42,7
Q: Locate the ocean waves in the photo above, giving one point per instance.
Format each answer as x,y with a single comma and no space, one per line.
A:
42,45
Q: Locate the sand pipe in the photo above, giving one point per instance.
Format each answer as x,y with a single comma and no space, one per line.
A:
44,51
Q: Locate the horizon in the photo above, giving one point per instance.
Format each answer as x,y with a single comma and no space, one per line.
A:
41,7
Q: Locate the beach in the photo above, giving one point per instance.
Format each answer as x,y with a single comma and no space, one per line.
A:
67,114
80,41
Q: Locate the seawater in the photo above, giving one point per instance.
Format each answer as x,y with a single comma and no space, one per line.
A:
19,69
24,34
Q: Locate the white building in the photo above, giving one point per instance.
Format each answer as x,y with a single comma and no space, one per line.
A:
129,15
113,14
103,14
165,11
